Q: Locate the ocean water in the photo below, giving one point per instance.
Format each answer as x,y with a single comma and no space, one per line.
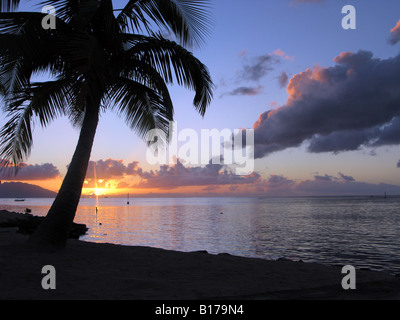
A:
360,231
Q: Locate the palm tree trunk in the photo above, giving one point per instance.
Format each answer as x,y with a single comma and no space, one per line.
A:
55,228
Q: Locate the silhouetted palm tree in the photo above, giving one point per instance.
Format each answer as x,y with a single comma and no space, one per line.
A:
99,58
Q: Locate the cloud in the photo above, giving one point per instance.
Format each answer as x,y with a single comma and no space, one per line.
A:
247,91
172,177
123,184
346,178
339,187
348,140
280,53
219,180
283,79
278,184
395,34
320,185
109,173
277,180
133,169
354,104
324,178
106,169
28,172
258,67
254,69
211,188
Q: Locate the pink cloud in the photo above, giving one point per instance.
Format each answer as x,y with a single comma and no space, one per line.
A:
172,177
395,34
282,54
29,172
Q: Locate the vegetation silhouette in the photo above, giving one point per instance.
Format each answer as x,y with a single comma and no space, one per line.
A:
99,58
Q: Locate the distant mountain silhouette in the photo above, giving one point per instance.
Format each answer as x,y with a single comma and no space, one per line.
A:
24,190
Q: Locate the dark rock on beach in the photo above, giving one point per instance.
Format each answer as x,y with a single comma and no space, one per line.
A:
27,223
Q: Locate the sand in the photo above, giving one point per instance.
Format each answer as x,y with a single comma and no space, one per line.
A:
93,271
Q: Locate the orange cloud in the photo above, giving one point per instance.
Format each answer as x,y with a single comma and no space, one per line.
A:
395,34
280,53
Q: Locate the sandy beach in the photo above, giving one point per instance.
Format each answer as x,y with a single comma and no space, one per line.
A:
104,271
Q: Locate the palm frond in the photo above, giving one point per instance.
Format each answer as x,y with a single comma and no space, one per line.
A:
16,136
25,48
92,16
173,62
137,70
8,5
72,10
188,20
142,108
44,101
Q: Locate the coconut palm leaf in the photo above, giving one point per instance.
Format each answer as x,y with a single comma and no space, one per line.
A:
16,136
173,62
26,49
8,5
188,20
141,107
44,101
149,77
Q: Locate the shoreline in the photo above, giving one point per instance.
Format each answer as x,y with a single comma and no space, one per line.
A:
93,271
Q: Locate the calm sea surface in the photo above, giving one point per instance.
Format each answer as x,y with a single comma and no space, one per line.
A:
361,231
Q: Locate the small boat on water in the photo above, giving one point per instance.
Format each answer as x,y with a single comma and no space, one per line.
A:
19,200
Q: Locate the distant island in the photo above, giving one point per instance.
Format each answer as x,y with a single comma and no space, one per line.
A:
24,190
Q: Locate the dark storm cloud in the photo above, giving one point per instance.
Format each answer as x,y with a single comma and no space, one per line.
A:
348,140
355,103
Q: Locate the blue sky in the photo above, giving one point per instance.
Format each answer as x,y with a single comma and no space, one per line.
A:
289,37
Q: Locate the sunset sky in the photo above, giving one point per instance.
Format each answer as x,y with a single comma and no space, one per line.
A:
324,103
